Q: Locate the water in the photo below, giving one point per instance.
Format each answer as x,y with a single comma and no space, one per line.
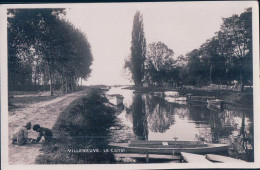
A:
152,117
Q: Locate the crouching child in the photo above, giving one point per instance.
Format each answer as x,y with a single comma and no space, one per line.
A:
42,133
20,135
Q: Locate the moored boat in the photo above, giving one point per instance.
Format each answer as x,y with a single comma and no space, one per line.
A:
147,156
171,93
159,94
116,100
176,98
170,147
215,103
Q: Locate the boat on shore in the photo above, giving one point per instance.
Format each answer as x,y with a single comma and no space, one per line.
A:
169,147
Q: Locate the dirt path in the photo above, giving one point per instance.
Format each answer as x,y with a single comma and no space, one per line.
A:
44,113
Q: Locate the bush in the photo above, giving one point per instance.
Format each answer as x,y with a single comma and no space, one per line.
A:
80,126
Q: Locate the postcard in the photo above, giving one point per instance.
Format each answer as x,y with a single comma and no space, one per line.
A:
148,85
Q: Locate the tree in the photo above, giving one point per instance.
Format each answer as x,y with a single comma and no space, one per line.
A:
138,50
159,64
195,70
225,57
50,47
213,61
238,31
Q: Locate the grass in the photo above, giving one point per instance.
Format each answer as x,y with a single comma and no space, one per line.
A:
21,99
79,127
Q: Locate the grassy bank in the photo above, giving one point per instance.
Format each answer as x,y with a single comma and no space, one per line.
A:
83,125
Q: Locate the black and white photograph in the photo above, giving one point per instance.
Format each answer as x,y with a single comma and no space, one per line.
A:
130,85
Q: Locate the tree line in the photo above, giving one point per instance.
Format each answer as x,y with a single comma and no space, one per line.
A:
222,59
44,48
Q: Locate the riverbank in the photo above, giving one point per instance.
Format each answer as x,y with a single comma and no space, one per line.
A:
38,108
241,99
81,132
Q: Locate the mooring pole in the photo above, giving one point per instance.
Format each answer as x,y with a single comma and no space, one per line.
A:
147,158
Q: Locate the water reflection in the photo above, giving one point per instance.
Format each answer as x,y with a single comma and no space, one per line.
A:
154,118
158,119
140,127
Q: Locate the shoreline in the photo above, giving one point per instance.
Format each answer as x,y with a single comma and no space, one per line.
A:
239,99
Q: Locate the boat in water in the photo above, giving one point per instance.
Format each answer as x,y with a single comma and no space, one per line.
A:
217,103
116,100
169,147
171,94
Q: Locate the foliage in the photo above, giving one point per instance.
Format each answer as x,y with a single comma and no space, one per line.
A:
138,50
225,57
159,65
85,125
45,48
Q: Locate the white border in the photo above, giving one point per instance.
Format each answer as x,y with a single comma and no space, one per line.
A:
4,104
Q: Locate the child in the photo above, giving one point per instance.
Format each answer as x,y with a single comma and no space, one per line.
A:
42,132
20,135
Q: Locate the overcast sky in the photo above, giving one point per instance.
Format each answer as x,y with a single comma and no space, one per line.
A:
182,26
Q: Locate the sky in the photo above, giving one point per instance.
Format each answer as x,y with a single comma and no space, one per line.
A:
182,26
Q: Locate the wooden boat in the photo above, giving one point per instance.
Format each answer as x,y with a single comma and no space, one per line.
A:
216,103
171,93
223,159
147,156
116,100
159,94
169,147
176,99
194,158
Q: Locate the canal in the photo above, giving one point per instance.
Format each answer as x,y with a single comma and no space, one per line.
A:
151,117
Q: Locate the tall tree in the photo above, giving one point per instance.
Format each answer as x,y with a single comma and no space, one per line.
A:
238,29
138,50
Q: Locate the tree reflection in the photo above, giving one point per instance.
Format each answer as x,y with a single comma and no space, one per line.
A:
139,118
243,144
158,112
221,125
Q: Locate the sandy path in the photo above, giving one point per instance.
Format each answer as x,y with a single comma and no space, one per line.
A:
44,113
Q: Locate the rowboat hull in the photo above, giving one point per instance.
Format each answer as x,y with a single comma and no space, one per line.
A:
169,149
149,156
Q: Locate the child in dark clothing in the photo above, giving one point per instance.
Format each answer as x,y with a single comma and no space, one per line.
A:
42,132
